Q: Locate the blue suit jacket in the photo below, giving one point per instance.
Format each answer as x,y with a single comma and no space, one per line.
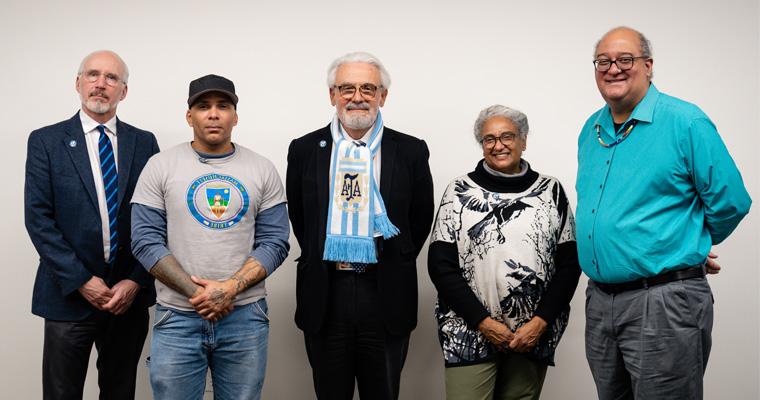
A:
63,220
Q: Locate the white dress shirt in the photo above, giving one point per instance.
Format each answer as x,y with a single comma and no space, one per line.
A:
92,137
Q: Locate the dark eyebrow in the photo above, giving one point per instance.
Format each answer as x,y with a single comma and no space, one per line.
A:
625,54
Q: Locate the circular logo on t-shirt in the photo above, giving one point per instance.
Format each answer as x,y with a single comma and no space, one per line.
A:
217,201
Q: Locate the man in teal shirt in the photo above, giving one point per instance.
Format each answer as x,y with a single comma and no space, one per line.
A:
656,189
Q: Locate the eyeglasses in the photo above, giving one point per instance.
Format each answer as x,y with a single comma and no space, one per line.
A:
623,63
93,76
367,90
506,139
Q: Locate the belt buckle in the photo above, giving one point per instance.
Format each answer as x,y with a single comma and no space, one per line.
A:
343,266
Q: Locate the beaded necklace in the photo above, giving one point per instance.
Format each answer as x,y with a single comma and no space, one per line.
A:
627,132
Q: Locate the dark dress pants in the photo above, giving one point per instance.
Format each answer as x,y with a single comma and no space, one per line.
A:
119,340
353,345
650,344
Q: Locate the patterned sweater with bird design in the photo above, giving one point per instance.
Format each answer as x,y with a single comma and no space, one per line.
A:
502,247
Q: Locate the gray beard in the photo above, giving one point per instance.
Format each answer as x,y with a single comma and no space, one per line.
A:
98,107
359,121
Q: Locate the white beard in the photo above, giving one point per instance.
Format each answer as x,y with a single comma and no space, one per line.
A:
98,107
358,121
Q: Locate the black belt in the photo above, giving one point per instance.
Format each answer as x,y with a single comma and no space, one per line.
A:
350,267
665,277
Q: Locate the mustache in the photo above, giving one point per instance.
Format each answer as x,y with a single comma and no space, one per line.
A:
100,93
357,106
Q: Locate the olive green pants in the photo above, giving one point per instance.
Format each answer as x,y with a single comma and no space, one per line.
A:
511,376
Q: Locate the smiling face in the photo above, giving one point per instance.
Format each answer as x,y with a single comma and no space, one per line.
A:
101,86
503,158
212,117
623,90
358,112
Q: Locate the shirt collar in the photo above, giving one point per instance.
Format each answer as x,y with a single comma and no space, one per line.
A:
643,112
364,138
89,124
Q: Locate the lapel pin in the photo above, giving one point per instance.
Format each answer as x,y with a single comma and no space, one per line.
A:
322,143
73,143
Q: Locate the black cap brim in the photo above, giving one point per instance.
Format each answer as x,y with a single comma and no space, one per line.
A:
191,100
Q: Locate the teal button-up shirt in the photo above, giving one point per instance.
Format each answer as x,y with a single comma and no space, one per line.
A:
658,200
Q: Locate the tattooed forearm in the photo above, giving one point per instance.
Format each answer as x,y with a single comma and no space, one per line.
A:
170,273
251,273
240,283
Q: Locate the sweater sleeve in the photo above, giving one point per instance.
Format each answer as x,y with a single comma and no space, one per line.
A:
563,283
148,234
444,270
270,245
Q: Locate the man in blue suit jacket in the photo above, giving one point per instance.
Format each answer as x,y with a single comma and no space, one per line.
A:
89,287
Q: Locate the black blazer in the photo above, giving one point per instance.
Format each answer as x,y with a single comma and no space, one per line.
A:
407,189
63,220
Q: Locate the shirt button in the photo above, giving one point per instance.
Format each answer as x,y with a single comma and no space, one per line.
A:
592,211
589,236
593,262
608,162
600,186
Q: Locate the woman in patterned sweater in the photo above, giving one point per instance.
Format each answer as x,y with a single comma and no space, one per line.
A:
503,259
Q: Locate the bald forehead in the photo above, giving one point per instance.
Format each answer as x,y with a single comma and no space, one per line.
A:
105,57
625,37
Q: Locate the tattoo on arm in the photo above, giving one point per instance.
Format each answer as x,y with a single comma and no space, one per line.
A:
251,273
240,283
170,273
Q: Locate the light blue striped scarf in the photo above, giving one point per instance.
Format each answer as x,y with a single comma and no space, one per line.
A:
356,208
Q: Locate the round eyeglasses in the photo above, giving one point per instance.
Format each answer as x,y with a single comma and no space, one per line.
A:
93,76
506,139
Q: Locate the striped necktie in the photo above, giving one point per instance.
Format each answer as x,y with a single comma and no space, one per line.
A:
111,187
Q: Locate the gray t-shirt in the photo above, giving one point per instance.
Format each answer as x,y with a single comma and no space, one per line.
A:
211,207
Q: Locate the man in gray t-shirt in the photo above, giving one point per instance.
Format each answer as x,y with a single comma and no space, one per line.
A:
209,221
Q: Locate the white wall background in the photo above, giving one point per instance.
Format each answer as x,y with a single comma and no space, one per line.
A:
448,59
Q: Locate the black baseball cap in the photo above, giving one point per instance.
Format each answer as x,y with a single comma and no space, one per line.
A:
211,83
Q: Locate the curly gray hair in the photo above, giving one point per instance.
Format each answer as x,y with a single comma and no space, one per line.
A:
497,110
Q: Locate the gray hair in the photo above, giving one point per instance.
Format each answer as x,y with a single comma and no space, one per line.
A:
124,78
644,43
358,57
497,110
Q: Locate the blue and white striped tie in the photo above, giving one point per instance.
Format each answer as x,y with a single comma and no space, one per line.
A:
111,187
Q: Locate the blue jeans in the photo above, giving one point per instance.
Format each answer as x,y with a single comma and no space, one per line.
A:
184,346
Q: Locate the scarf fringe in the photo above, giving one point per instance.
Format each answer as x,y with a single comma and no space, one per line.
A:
384,225
350,249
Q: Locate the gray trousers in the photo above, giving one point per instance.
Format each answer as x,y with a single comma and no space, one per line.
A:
649,343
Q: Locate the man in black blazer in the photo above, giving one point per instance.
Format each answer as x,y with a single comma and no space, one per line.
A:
357,314
80,175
